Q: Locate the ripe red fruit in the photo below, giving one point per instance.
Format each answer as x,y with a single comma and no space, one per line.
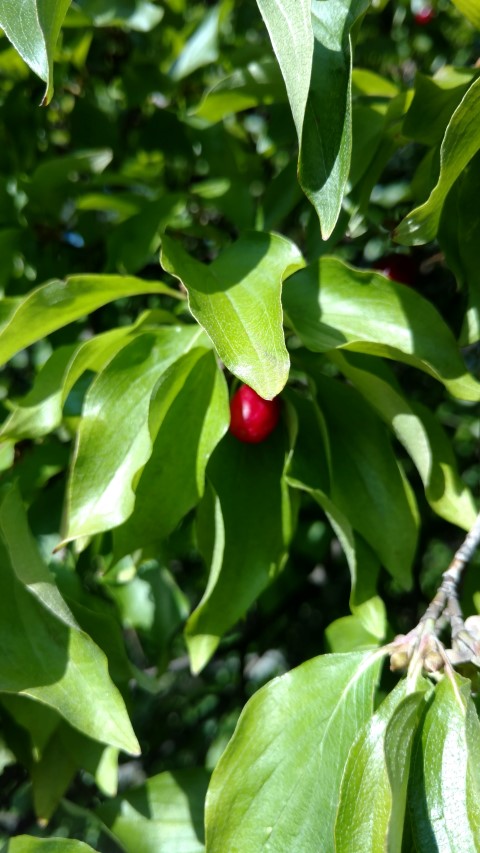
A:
424,16
400,268
252,418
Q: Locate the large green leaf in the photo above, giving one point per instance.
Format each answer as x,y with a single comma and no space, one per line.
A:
30,844
45,655
57,303
277,784
114,441
189,414
460,143
310,468
33,27
444,794
470,9
373,793
366,481
312,43
458,237
331,305
237,301
243,529
420,433
165,815
40,411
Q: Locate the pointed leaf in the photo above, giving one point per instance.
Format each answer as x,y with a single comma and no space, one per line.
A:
331,305
45,655
460,143
243,533
57,303
373,794
33,29
189,414
313,48
113,441
277,783
237,301
444,795
165,814
420,433
458,238
366,480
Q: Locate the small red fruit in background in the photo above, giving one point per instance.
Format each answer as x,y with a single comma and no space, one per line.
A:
401,268
252,418
425,16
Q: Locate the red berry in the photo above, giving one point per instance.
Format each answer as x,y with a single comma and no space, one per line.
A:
400,268
252,418
424,16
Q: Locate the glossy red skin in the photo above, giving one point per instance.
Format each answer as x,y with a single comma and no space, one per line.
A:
401,268
252,418
425,16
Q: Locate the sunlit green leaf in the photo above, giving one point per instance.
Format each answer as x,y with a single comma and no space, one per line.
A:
237,301
277,784
420,433
165,814
57,303
331,305
373,793
114,440
460,143
33,29
189,414
470,9
313,47
46,655
444,794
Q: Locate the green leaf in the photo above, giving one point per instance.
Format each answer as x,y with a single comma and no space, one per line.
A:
277,784
444,794
40,411
333,306
113,441
46,655
237,301
58,303
460,143
165,814
243,529
30,844
373,793
310,469
201,48
33,29
313,47
458,237
420,433
258,84
434,101
189,414
366,482
470,9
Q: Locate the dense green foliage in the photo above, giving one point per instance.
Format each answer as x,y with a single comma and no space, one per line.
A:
206,198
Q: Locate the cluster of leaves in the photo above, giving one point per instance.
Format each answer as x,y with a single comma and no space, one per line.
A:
136,533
